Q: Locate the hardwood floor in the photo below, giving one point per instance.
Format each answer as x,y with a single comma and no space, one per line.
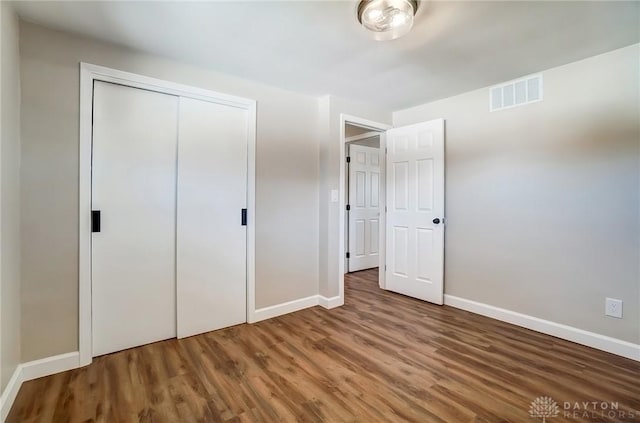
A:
382,357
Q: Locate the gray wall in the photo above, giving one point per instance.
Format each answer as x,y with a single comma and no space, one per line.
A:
9,196
542,200
287,180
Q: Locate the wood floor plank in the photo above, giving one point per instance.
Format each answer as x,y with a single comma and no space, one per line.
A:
382,357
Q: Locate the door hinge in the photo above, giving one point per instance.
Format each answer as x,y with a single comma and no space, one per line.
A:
348,159
243,214
348,255
348,207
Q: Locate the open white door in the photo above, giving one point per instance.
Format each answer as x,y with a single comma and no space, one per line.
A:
415,210
364,205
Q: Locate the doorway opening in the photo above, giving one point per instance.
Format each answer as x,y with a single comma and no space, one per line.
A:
362,196
393,206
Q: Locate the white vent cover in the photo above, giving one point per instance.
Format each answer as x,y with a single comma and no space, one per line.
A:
516,93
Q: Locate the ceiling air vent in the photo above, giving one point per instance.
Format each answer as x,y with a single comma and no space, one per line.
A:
516,93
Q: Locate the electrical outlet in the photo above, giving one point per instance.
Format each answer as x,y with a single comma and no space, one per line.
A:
613,308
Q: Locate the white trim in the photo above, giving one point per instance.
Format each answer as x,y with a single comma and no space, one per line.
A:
84,216
380,128
89,73
569,333
382,234
284,308
251,213
34,370
50,365
330,303
10,393
297,305
159,85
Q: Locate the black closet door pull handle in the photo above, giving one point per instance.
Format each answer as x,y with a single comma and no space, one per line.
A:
244,217
95,220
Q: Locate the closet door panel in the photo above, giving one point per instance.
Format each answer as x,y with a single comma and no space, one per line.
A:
133,187
211,241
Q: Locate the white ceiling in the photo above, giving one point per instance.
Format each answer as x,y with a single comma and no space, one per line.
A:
318,47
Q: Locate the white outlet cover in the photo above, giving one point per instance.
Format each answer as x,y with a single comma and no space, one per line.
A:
613,308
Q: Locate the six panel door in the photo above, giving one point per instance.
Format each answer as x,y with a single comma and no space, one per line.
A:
415,210
364,202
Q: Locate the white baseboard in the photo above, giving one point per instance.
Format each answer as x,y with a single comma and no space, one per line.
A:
569,333
50,365
330,302
33,370
10,393
295,305
284,308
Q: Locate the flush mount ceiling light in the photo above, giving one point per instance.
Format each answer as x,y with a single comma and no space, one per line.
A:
387,19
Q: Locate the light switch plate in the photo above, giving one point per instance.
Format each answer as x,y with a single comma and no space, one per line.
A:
335,196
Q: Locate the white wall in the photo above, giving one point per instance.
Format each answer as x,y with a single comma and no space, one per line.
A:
287,180
9,196
542,201
331,108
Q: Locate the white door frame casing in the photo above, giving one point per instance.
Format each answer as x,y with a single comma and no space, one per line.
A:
90,73
380,128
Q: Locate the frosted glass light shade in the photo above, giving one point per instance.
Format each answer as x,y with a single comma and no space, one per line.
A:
387,19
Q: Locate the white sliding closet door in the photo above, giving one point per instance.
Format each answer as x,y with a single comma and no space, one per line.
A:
211,241
134,188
